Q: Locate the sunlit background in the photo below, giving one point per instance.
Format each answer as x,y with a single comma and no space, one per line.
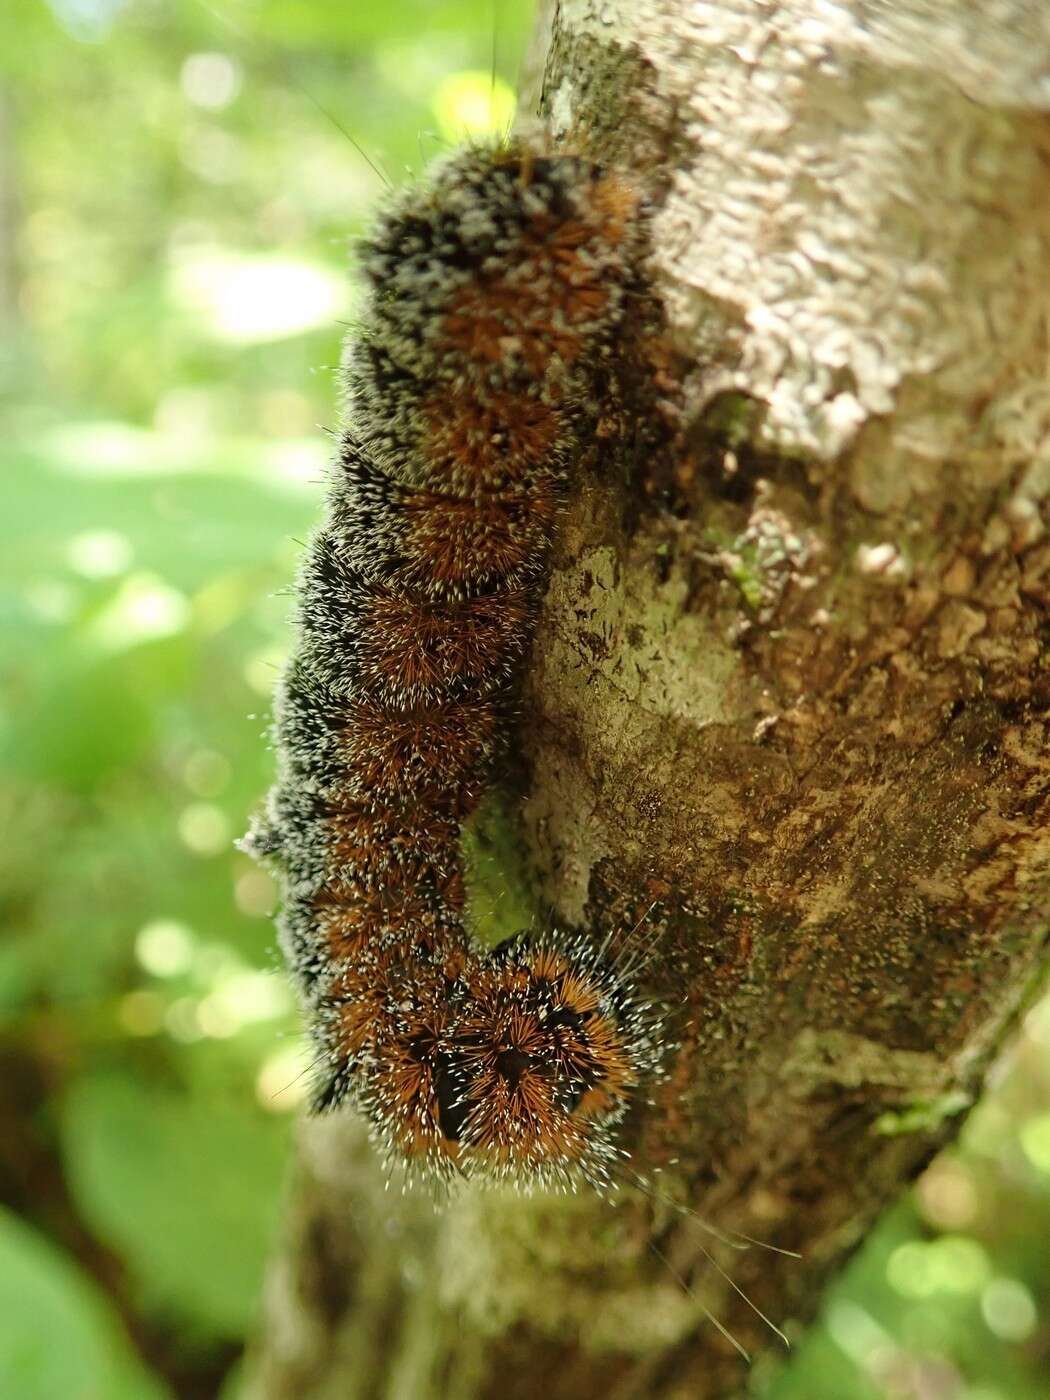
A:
179,180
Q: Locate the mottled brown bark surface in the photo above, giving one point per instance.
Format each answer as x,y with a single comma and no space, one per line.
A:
786,718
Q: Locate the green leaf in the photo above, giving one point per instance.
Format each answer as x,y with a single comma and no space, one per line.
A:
57,1334
185,1190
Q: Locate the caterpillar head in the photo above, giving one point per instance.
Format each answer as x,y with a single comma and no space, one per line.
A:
513,1065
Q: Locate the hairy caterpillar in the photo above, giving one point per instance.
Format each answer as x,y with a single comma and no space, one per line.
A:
493,291
492,287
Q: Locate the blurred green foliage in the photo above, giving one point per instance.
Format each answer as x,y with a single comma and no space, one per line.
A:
178,183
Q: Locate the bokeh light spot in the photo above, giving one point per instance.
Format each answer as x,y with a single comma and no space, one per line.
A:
1008,1309
262,669
255,893
207,772
242,999
248,299
473,104
165,948
1035,1139
854,1330
143,609
951,1264
181,1020
283,1081
50,600
210,80
205,829
947,1194
99,553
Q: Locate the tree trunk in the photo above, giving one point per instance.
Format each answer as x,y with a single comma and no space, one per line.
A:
785,721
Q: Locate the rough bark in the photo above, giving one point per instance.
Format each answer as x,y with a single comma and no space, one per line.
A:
786,714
